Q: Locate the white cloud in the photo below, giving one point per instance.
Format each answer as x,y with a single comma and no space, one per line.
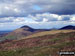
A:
25,7
45,17
45,20
72,19
50,17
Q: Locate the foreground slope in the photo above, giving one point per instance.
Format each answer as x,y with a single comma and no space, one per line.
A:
47,44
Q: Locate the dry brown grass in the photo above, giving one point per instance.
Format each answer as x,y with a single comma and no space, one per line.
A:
48,45
52,32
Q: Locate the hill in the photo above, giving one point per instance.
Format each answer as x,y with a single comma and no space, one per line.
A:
3,34
68,27
47,43
22,32
25,31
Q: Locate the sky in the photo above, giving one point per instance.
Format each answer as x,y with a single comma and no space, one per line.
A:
39,14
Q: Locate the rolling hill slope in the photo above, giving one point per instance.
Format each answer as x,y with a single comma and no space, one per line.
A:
22,32
25,31
47,43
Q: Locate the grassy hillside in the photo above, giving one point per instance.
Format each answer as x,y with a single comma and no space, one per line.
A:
47,43
52,32
21,33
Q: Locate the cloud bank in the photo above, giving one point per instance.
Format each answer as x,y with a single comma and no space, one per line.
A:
45,17
45,20
36,13
23,8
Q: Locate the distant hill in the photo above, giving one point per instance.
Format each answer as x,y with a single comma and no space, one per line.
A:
4,33
68,27
23,32
27,28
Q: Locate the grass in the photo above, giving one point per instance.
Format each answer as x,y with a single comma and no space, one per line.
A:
10,37
36,51
63,44
48,50
52,32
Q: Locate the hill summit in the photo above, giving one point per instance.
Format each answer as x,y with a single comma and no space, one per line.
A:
27,28
23,32
68,27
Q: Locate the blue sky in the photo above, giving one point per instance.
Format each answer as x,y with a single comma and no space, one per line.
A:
43,14
36,7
